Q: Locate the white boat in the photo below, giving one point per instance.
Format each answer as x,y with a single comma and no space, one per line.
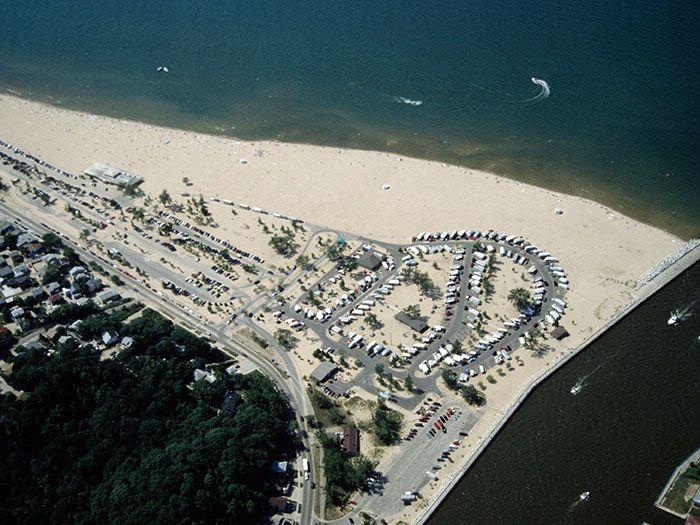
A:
673,319
584,496
163,69
576,388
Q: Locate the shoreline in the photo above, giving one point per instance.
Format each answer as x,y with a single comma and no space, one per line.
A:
604,253
659,281
681,230
678,471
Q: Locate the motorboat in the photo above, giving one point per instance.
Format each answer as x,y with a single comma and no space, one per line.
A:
673,319
584,496
163,69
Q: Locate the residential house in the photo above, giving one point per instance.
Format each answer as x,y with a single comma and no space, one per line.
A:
37,294
64,339
24,324
6,272
75,271
22,281
107,295
23,239
20,269
280,467
200,374
110,338
93,285
34,345
53,287
351,440
32,249
17,312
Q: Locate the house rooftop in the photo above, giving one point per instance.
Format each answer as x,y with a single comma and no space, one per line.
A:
418,324
278,504
559,333
370,261
323,371
111,175
280,467
351,440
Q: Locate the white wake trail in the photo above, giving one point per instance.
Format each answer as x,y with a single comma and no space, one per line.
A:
544,90
410,102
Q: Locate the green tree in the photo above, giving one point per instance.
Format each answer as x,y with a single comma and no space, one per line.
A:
171,450
413,311
408,383
303,262
284,338
165,198
348,264
138,213
372,321
51,241
131,190
386,424
7,341
520,298
472,395
283,244
451,379
51,274
425,284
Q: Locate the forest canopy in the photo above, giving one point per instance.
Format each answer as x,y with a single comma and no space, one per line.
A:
131,440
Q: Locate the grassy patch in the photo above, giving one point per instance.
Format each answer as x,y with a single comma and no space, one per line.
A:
328,412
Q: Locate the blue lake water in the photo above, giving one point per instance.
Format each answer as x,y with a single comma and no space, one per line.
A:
620,124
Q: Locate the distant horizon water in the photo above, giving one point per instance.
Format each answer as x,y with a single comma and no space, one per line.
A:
594,100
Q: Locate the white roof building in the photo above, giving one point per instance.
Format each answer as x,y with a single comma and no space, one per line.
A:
112,176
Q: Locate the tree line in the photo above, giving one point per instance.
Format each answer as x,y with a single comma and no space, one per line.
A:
132,440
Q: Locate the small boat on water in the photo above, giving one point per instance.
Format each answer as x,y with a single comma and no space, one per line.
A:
163,69
673,319
576,388
584,496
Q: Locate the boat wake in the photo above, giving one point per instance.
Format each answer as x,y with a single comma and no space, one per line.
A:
578,386
682,314
410,102
543,91
582,381
581,499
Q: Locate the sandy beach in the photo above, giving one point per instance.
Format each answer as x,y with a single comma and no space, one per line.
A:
603,252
